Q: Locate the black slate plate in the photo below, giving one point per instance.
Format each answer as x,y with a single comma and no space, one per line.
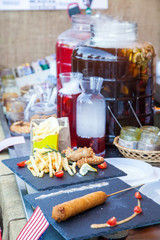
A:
120,206
41,184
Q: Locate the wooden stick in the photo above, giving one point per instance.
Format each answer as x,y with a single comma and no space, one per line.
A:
126,189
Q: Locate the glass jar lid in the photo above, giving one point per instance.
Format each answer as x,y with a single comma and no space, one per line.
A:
113,33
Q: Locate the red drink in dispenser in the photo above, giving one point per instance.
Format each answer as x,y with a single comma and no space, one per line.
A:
67,41
63,58
66,101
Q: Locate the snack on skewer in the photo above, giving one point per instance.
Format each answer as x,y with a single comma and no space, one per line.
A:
73,207
63,211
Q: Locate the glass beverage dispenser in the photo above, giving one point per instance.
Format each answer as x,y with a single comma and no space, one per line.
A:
67,40
127,67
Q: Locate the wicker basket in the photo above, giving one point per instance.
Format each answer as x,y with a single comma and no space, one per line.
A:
147,156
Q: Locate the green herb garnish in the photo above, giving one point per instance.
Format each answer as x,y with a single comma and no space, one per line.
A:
52,149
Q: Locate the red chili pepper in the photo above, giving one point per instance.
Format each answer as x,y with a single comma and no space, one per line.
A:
137,209
21,164
112,221
59,174
138,195
102,165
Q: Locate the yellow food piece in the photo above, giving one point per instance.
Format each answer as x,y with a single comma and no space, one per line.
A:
85,168
136,57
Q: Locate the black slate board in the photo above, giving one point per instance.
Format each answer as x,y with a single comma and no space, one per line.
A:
41,184
120,206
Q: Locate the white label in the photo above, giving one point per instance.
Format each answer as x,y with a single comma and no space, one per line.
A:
50,4
8,142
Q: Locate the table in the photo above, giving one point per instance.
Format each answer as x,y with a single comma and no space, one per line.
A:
15,211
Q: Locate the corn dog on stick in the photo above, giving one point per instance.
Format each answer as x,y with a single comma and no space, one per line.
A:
63,211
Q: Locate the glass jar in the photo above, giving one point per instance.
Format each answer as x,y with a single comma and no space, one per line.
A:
153,129
6,74
15,109
129,137
42,110
127,66
149,141
91,115
10,90
130,133
66,101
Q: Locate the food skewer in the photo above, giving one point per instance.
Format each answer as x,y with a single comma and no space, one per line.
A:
126,189
65,210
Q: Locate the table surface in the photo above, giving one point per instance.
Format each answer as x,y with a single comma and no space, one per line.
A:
151,232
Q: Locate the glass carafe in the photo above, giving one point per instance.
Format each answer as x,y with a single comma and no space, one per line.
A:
66,100
91,115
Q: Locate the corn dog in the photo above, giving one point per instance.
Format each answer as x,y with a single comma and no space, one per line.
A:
63,211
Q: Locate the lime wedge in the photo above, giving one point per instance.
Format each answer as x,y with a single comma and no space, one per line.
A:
85,168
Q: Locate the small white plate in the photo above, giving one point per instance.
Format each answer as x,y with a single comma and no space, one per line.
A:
152,190
138,172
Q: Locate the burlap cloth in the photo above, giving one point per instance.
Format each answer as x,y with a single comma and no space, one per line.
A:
12,216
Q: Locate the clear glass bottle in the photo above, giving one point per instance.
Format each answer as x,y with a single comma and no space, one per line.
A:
66,100
91,115
127,66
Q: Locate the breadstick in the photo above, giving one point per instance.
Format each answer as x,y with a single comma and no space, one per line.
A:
63,211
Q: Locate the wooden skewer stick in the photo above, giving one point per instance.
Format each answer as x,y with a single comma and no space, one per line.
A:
126,189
